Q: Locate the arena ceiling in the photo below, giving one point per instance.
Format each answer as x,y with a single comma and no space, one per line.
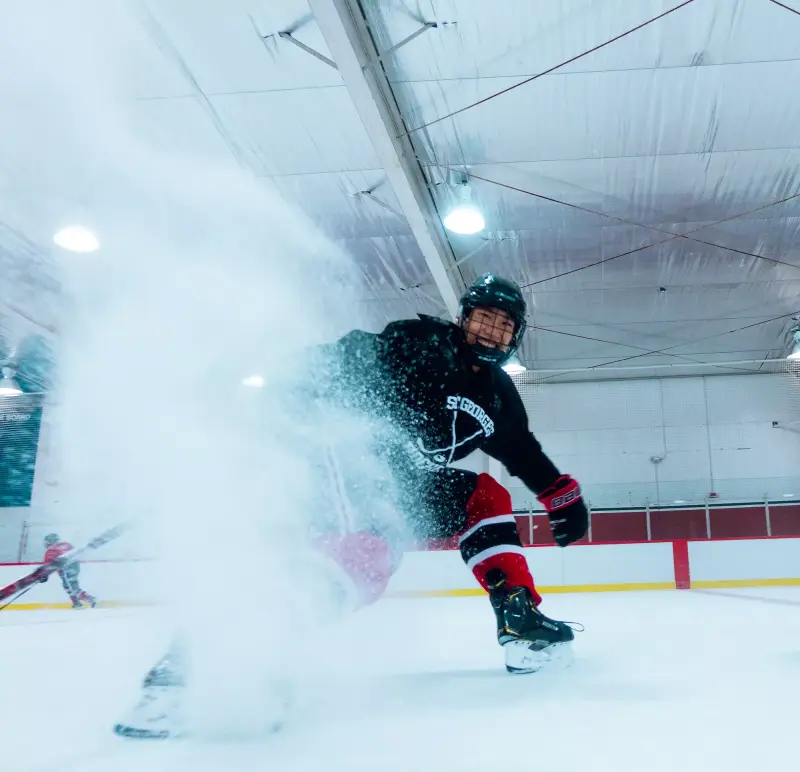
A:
637,164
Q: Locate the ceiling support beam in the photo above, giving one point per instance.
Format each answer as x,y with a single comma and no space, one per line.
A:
287,36
413,36
348,37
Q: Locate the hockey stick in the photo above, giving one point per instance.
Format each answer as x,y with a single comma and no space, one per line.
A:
41,573
18,595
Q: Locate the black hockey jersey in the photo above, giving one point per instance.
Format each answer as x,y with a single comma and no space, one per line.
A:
417,375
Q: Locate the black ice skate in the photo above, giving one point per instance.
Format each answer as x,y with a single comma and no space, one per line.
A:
158,714
531,641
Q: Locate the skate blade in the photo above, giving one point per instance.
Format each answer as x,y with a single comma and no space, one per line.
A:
136,733
521,659
156,717
159,716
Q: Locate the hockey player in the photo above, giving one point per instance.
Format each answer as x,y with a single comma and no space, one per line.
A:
69,572
443,394
440,393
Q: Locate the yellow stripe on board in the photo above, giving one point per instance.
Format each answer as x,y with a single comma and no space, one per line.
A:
471,592
630,587
718,584
60,606
477,591
474,591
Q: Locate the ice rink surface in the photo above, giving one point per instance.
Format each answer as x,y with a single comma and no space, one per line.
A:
690,681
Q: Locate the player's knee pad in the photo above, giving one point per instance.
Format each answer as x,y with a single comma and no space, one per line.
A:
366,559
489,499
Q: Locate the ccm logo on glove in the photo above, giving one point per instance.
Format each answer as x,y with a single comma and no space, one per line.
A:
568,515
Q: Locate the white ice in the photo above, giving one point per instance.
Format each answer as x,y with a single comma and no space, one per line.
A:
683,681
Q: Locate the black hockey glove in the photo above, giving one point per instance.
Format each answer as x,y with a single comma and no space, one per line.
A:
568,515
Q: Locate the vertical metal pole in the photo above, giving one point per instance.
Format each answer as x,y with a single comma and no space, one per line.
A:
708,520
530,524
708,436
23,541
766,513
647,521
658,487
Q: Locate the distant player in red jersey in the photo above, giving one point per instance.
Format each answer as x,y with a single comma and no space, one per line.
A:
69,572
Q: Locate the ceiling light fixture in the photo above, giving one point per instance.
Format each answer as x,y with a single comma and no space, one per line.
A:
254,381
76,239
514,366
464,218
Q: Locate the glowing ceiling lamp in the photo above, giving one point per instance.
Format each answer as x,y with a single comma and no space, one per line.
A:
514,366
8,383
464,218
76,239
254,381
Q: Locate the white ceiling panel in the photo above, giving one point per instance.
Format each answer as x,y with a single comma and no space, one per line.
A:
673,266
523,38
87,47
621,305
600,114
173,128
286,132
390,261
682,124
565,372
222,44
685,189
333,202
619,341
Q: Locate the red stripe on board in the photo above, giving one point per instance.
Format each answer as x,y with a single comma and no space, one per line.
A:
421,546
441,546
104,560
680,558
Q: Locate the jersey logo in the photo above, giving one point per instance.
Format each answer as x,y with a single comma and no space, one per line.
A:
432,459
466,405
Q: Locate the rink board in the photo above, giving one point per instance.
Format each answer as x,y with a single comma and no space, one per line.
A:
580,568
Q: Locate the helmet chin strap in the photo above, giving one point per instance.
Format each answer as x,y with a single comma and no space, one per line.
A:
482,355
488,355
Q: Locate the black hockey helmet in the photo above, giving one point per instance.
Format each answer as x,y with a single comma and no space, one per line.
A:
491,291
51,539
